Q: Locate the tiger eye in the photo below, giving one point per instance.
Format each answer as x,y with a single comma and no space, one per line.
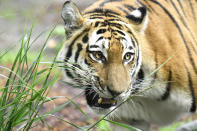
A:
127,56
98,55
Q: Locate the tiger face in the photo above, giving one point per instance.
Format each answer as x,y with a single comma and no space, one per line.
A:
102,55
112,59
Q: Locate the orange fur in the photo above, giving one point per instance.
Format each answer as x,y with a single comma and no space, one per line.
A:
162,40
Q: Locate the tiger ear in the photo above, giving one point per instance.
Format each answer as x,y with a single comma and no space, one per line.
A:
72,17
138,18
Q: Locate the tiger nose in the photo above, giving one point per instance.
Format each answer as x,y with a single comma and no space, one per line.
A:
112,92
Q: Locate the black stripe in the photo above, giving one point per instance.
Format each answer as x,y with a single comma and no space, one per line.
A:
110,20
141,75
69,53
180,32
192,9
183,21
149,6
100,38
135,19
79,48
106,12
103,14
96,24
166,1
79,81
107,1
85,38
180,4
96,17
132,37
130,48
86,62
94,46
105,23
119,26
101,31
143,5
129,7
193,104
109,38
125,40
185,25
178,13
97,10
68,73
120,8
168,88
76,66
120,32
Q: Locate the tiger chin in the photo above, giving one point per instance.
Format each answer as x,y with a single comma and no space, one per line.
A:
145,49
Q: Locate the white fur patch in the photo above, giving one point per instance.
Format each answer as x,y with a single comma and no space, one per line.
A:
145,24
101,43
136,13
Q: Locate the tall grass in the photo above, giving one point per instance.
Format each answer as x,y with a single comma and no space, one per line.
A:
26,87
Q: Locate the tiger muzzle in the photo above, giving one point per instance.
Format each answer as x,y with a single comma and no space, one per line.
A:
94,100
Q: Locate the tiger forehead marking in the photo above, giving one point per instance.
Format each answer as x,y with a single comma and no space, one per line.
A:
100,39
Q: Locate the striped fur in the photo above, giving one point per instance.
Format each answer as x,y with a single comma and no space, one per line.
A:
161,38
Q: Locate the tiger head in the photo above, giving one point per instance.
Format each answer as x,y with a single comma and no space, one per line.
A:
102,53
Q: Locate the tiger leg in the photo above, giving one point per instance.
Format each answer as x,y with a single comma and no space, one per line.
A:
142,125
191,126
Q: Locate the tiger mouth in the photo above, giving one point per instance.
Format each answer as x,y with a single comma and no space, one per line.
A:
94,100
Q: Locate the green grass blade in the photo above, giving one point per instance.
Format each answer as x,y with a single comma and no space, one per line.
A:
70,123
80,110
56,109
123,125
71,85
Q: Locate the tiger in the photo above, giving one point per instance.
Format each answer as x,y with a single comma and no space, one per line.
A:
116,49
